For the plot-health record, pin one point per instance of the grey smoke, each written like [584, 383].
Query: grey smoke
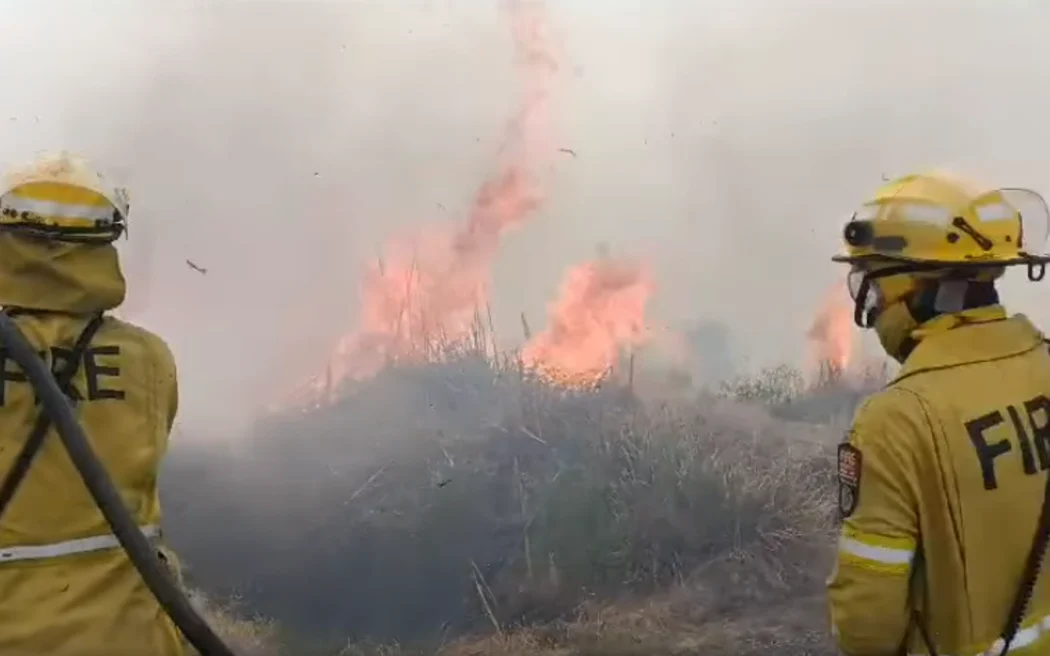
[277, 144]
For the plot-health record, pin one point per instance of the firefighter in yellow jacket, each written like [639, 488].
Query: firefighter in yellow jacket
[66, 586]
[942, 474]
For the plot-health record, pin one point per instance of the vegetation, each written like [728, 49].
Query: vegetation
[465, 507]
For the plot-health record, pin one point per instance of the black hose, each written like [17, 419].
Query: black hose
[141, 552]
[64, 378]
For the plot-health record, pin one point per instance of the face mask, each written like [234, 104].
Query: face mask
[883, 300]
[894, 325]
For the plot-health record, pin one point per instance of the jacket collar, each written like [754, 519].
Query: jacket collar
[976, 335]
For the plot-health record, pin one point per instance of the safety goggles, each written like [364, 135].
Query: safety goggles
[867, 297]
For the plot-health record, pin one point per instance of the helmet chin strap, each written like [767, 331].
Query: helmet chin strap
[951, 296]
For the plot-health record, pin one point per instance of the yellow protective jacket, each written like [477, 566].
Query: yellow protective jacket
[942, 479]
[58, 596]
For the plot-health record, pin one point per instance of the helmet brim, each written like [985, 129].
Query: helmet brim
[944, 264]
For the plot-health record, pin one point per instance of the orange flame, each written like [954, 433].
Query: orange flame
[600, 310]
[831, 334]
[422, 296]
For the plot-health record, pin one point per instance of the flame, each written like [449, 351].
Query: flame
[422, 296]
[599, 312]
[831, 333]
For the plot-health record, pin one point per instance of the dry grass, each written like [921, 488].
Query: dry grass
[464, 508]
[669, 624]
[246, 635]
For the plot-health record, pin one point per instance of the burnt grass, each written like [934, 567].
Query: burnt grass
[465, 508]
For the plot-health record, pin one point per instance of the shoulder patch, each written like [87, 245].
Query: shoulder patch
[849, 464]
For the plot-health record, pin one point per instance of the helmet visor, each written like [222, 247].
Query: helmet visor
[1035, 219]
[855, 283]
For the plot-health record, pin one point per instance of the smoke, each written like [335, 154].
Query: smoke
[277, 159]
[278, 145]
[785, 125]
[426, 290]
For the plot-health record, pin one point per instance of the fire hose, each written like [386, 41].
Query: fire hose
[139, 550]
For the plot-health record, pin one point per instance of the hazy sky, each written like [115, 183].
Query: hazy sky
[278, 143]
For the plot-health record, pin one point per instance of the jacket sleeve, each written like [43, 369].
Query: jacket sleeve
[868, 588]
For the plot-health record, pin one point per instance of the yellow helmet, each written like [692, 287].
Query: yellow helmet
[939, 221]
[938, 225]
[59, 196]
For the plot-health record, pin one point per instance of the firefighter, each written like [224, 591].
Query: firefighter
[942, 473]
[66, 586]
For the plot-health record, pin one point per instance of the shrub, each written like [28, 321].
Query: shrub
[459, 496]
